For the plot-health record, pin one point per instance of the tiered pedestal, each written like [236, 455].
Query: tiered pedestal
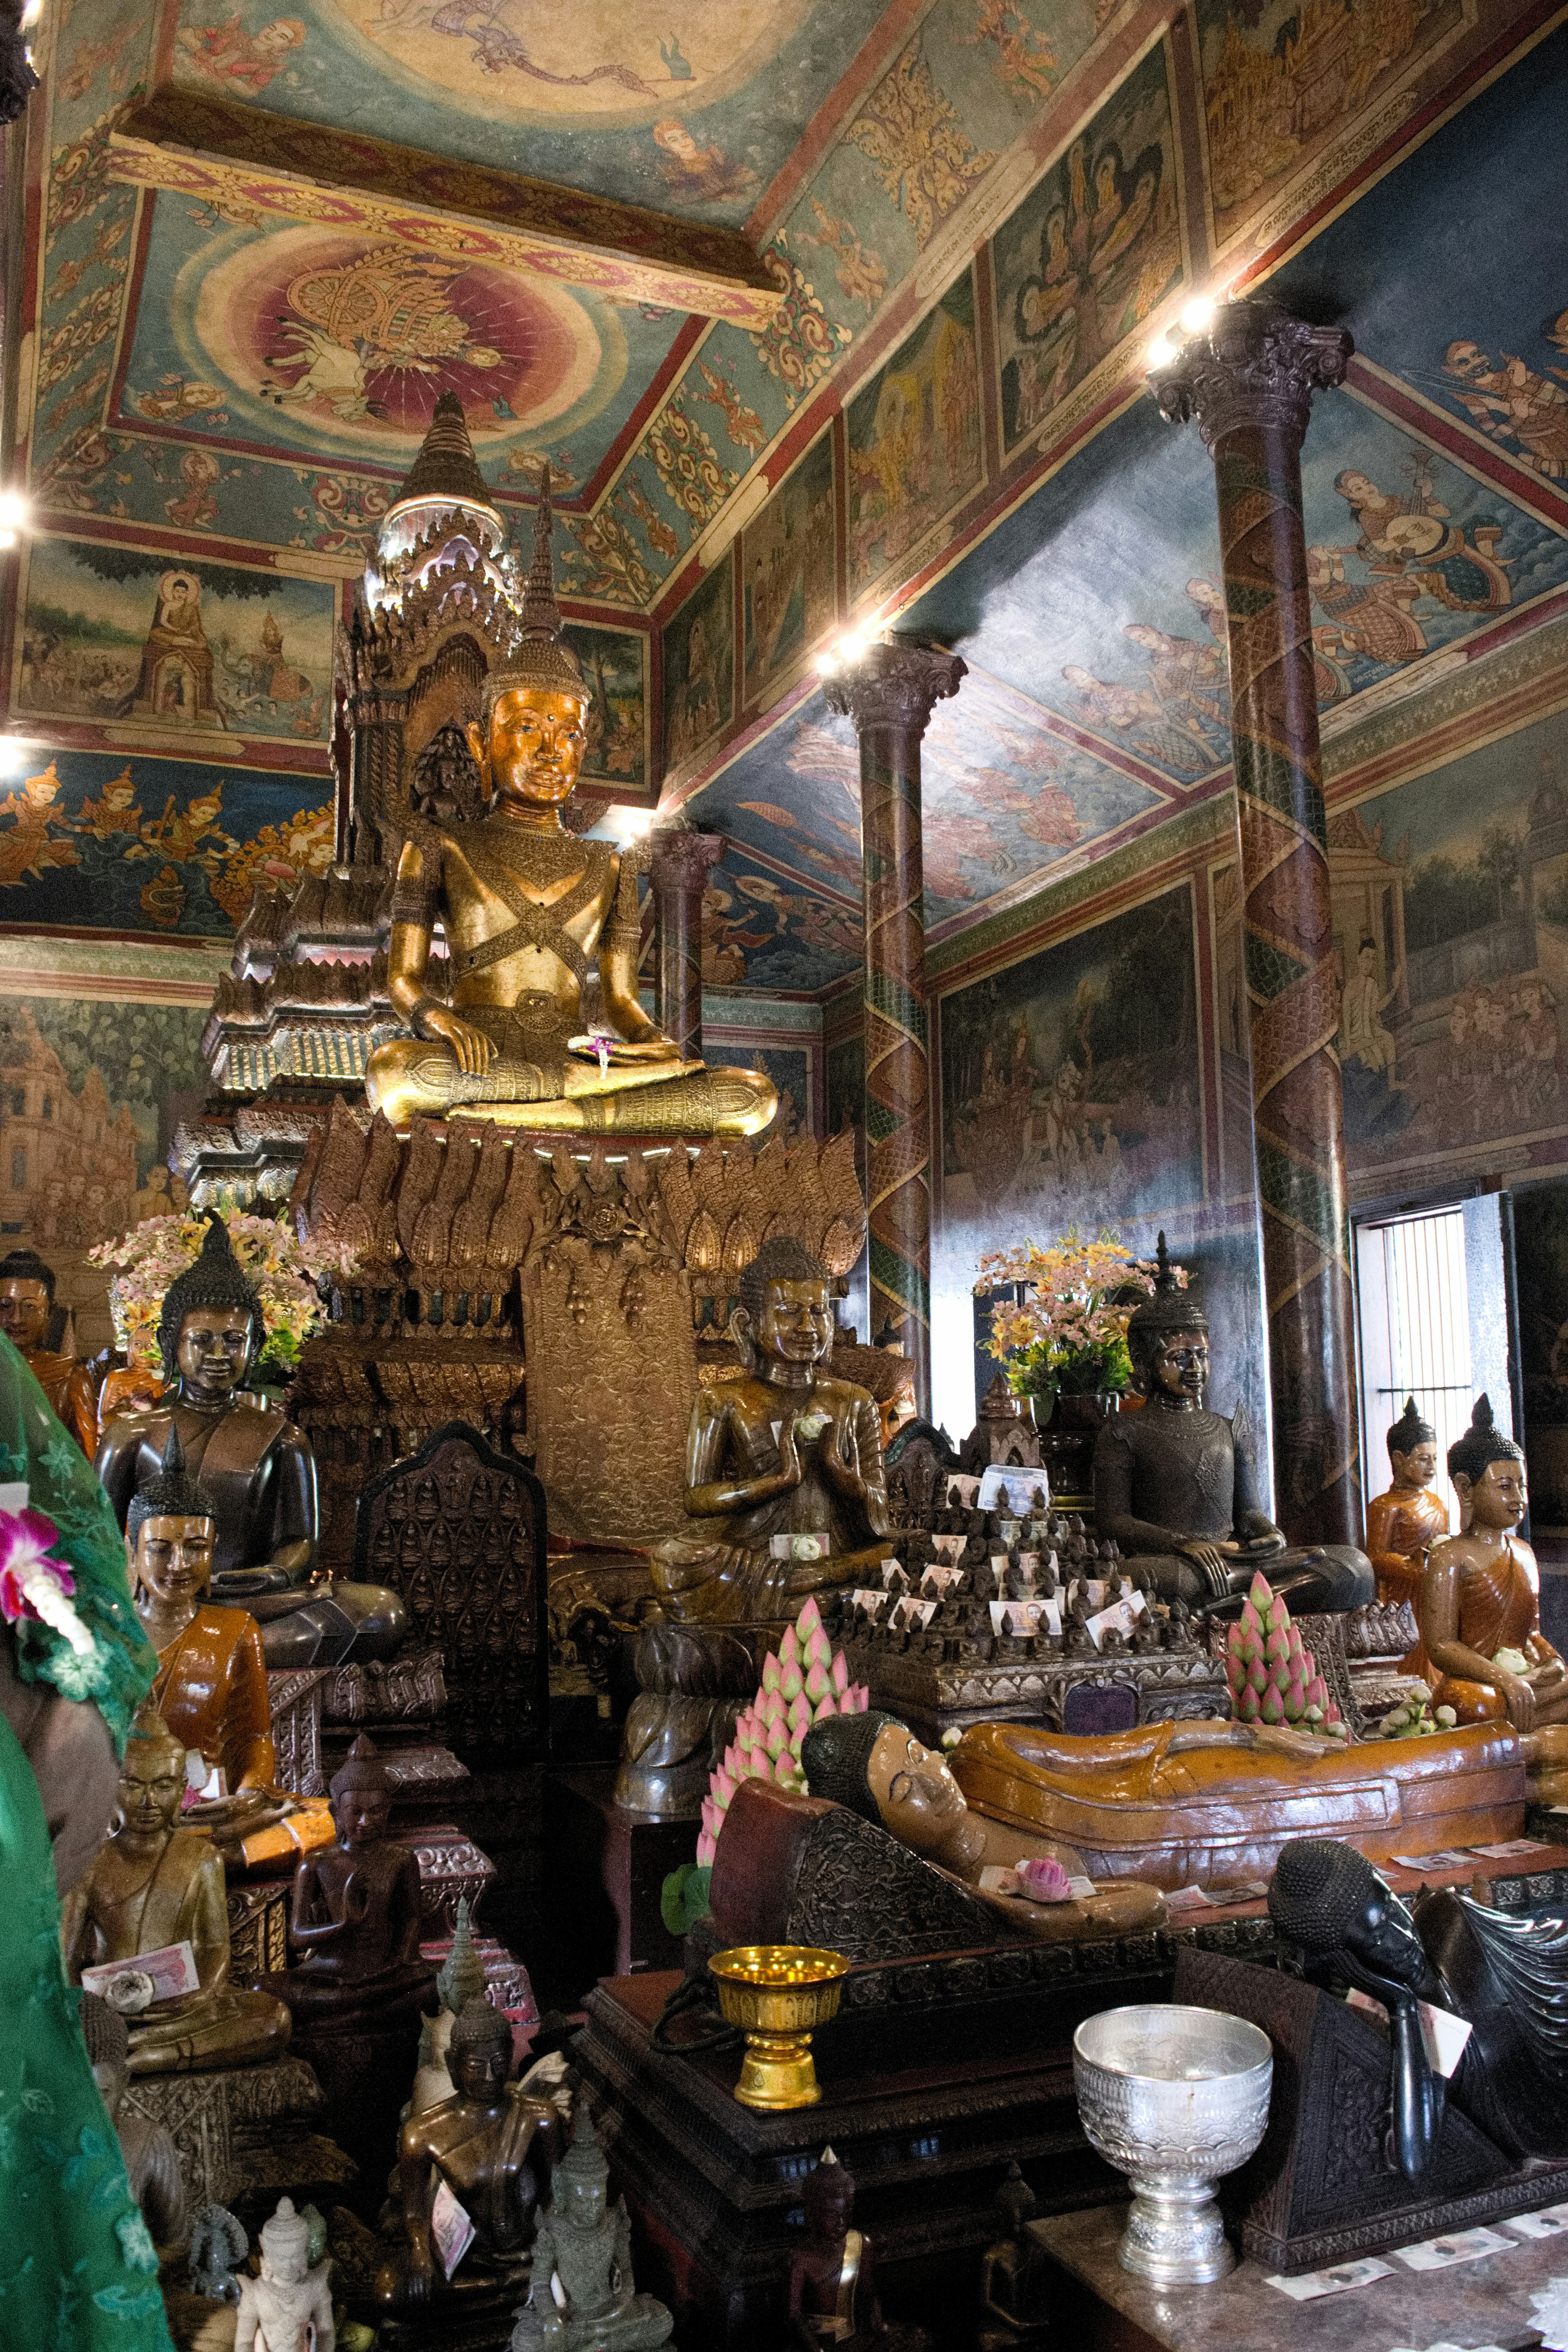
[932, 2079]
[934, 1695]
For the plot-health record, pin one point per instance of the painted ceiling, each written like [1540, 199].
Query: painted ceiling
[821, 311]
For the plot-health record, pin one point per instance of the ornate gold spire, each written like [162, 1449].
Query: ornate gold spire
[446, 470]
[542, 658]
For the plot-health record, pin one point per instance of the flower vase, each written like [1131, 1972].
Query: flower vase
[1068, 1441]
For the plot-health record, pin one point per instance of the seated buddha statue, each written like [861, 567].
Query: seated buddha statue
[833, 2295]
[154, 1884]
[491, 2144]
[210, 1689]
[782, 1449]
[252, 1470]
[525, 905]
[1507, 1977]
[583, 2297]
[26, 1305]
[1480, 1613]
[1403, 1523]
[354, 1916]
[1176, 1487]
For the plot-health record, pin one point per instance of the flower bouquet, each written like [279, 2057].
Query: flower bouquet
[145, 1261]
[1068, 1336]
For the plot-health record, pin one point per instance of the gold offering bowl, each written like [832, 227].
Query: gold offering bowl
[779, 1993]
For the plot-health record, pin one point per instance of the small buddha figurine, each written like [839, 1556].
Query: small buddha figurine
[1479, 1614]
[780, 1449]
[459, 1980]
[1402, 1524]
[524, 905]
[151, 2161]
[1505, 1976]
[1176, 1486]
[252, 1469]
[487, 2144]
[874, 1764]
[355, 1915]
[583, 2297]
[153, 1885]
[211, 1689]
[289, 2307]
[833, 2276]
[26, 1306]
[1015, 2276]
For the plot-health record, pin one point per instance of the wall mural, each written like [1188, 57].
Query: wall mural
[90, 1095]
[155, 846]
[123, 633]
[914, 439]
[700, 666]
[764, 929]
[615, 664]
[1091, 251]
[1451, 926]
[788, 571]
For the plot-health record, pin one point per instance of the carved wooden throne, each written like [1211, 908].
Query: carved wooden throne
[460, 1531]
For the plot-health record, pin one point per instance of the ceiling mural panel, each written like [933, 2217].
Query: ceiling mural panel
[1089, 252]
[699, 666]
[789, 571]
[690, 110]
[763, 928]
[914, 439]
[121, 634]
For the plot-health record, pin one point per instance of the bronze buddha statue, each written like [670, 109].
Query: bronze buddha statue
[524, 905]
[253, 1472]
[26, 1308]
[782, 1451]
[153, 1885]
[1176, 1487]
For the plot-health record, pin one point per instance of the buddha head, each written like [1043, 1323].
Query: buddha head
[873, 1764]
[151, 1781]
[533, 725]
[478, 2056]
[1412, 1449]
[285, 2245]
[785, 1313]
[170, 1534]
[1168, 1340]
[211, 1328]
[1328, 1900]
[580, 2183]
[361, 1792]
[829, 2197]
[26, 1299]
[1488, 1472]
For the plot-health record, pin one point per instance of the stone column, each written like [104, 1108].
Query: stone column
[889, 691]
[1248, 378]
[678, 875]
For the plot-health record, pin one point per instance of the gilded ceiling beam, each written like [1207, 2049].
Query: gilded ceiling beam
[254, 165]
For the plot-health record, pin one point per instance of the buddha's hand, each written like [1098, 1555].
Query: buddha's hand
[1211, 1563]
[1260, 1535]
[473, 1050]
[651, 1046]
[1518, 1698]
[418, 2278]
[790, 1473]
[839, 1450]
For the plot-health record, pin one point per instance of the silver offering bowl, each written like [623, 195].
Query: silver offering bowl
[1175, 2098]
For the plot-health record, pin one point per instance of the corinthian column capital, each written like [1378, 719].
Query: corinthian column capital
[1253, 365]
[681, 860]
[893, 684]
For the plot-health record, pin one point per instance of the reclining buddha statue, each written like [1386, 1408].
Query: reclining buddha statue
[524, 904]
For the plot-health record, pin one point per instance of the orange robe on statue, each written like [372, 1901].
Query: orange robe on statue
[211, 1691]
[1498, 1610]
[1401, 1527]
[67, 1385]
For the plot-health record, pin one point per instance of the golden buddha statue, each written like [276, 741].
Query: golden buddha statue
[780, 1452]
[1402, 1524]
[27, 1304]
[1480, 1615]
[154, 1885]
[211, 1689]
[525, 904]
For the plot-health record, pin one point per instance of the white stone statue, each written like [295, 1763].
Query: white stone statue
[289, 2307]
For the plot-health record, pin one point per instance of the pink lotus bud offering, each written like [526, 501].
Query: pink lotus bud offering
[1042, 1878]
[771, 1672]
[789, 1649]
[1260, 1595]
[1247, 1704]
[1271, 1709]
[840, 1673]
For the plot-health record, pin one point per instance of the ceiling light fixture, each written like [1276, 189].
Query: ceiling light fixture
[1162, 352]
[1197, 314]
[13, 514]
